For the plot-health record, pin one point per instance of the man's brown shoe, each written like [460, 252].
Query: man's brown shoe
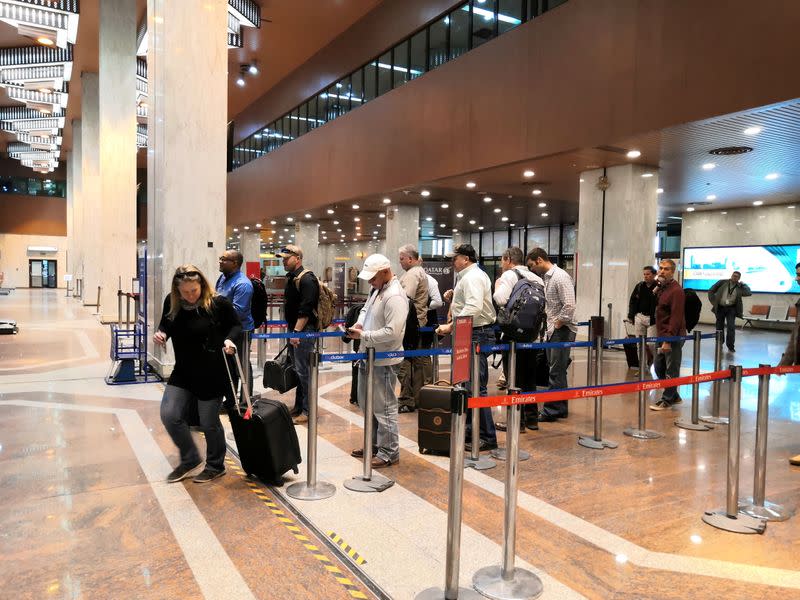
[300, 419]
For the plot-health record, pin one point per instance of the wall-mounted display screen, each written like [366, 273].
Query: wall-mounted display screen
[766, 269]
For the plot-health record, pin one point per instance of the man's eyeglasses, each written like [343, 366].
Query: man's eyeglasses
[225, 259]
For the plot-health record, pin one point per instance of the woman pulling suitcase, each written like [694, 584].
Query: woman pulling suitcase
[200, 323]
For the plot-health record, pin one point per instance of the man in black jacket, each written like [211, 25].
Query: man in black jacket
[642, 308]
[300, 298]
[726, 303]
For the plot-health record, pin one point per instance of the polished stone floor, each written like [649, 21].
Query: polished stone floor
[85, 513]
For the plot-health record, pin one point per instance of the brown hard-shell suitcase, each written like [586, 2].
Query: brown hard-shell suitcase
[433, 418]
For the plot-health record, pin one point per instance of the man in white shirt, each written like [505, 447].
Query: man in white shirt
[525, 373]
[381, 325]
[473, 297]
[559, 292]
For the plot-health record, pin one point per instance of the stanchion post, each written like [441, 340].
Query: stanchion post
[596, 441]
[119, 303]
[716, 386]
[261, 348]
[511, 379]
[589, 369]
[641, 432]
[757, 506]
[694, 424]
[729, 518]
[435, 357]
[368, 481]
[311, 489]
[475, 460]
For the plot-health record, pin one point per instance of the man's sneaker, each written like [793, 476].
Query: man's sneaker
[181, 472]
[661, 405]
[208, 475]
[300, 419]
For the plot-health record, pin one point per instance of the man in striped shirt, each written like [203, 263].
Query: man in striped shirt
[559, 292]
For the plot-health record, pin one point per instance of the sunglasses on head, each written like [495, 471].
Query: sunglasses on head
[187, 275]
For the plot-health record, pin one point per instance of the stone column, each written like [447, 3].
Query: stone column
[90, 194]
[250, 245]
[117, 110]
[616, 238]
[187, 67]
[75, 238]
[402, 227]
[306, 235]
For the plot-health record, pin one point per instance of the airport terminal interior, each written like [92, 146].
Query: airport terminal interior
[611, 135]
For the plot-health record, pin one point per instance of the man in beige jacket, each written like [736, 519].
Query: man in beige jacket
[414, 372]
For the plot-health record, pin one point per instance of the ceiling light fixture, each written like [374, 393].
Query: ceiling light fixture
[252, 68]
[528, 173]
[471, 184]
[497, 210]
[240, 81]
[425, 193]
[442, 225]
[758, 203]
[660, 191]
[308, 215]
[472, 221]
[711, 197]
[542, 204]
[429, 218]
[480, 227]
[647, 175]
[504, 219]
[45, 41]
[258, 224]
[290, 219]
[336, 222]
[487, 199]
[445, 205]
[708, 166]
[754, 130]
[633, 154]
[330, 211]
[459, 215]
[690, 209]
[545, 214]
[356, 219]
[355, 207]
[273, 222]
[772, 176]
[246, 227]
[537, 192]
[387, 200]
[235, 229]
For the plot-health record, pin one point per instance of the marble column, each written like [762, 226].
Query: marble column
[90, 192]
[71, 254]
[250, 246]
[117, 53]
[75, 238]
[402, 227]
[306, 235]
[187, 68]
[616, 238]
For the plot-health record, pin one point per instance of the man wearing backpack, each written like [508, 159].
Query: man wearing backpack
[413, 372]
[236, 287]
[300, 297]
[515, 272]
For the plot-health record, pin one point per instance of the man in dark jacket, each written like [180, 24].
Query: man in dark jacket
[642, 308]
[726, 302]
[670, 322]
[301, 297]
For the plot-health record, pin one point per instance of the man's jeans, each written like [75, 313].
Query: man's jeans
[385, 434]
[727, 315]
[558, 359]
[668, 365]
[173, 408]
[483, 337]
[301, 357]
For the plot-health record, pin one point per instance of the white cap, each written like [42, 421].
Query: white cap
[373, 264]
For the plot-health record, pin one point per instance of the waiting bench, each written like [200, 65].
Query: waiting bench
[760, 313]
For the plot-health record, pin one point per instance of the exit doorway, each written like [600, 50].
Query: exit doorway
[42, 273]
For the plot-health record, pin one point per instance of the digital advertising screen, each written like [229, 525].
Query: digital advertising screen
[766, 269]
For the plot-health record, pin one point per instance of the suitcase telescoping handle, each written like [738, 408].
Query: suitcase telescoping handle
[245, 390]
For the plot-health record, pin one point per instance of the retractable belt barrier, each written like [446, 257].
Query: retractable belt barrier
[652, 340]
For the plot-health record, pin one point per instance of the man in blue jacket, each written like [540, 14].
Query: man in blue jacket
[236, 287]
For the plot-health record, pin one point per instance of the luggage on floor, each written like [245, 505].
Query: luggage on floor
[433, 418]
[8, 327]
[265, 437]
[631, 350]
[279, 373]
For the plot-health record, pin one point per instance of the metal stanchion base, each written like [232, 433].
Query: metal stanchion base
[768, 512]
[481, 463]
[684, 424]
[319, 491]
[377, 483]
[588, 441]
[438, 594]
[523, 585]
[714, 420]
[643, 434]
[502, 454]
[738, 524]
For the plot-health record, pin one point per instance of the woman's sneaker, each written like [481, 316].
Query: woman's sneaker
[181, 472]
[208, 475]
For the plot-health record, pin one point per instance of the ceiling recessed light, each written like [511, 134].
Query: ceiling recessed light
[379, 225]
[709, 166]
[480, 227]
[542, 204]
[445, 205]
[429, 218]
[425, 193]
[235, 229]
[338, 231]
[247, 227]
[690, 209]
[471, 184]
[660, 191]
[442, 225]
[273, 222]
[724, 212]
[537, 192]
[459, 215]
[374, 233]
[381, 215]
[290, 219]
[356, 219]
[633, 154]
[472, 221]
[545, 214]
[711, 197]
[308, 215]
[504, 219]
[487, 199]
[497, 210]
[286, 229]
[336, 222]
[790, 206]
[758, 203]
[324, 237]
[772, 176]
[528, 173]
[455, 230]
[387, 200]
[356, 207]
[754, 130]
[330, 211]
[358, 227]
[646, 175]
[240, 81]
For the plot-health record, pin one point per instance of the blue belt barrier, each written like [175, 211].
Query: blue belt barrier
[295, 334]
[343, 357]
[284, 323]
[381, 355]
[650, 340]
[708, 336]
[545, 345]
[584, 324]
[620, 341]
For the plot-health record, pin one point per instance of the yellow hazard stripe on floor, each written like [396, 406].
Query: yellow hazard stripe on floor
[349, 550]
[294, 529]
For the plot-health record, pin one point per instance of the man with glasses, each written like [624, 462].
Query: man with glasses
[300, 298]
[236, 287]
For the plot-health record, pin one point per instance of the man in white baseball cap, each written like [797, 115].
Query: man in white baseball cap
[381, 325]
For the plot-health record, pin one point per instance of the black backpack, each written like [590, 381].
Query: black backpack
[521, 318]
[691, 309]
[411, 336]
[258, 303]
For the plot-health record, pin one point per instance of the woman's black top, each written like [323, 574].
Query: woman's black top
[198, 337]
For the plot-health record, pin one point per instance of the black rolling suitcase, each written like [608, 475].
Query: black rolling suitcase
[433, 418]
[265, 437]
[631, 350]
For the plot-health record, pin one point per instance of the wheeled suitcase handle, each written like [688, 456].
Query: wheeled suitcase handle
[245, 390]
